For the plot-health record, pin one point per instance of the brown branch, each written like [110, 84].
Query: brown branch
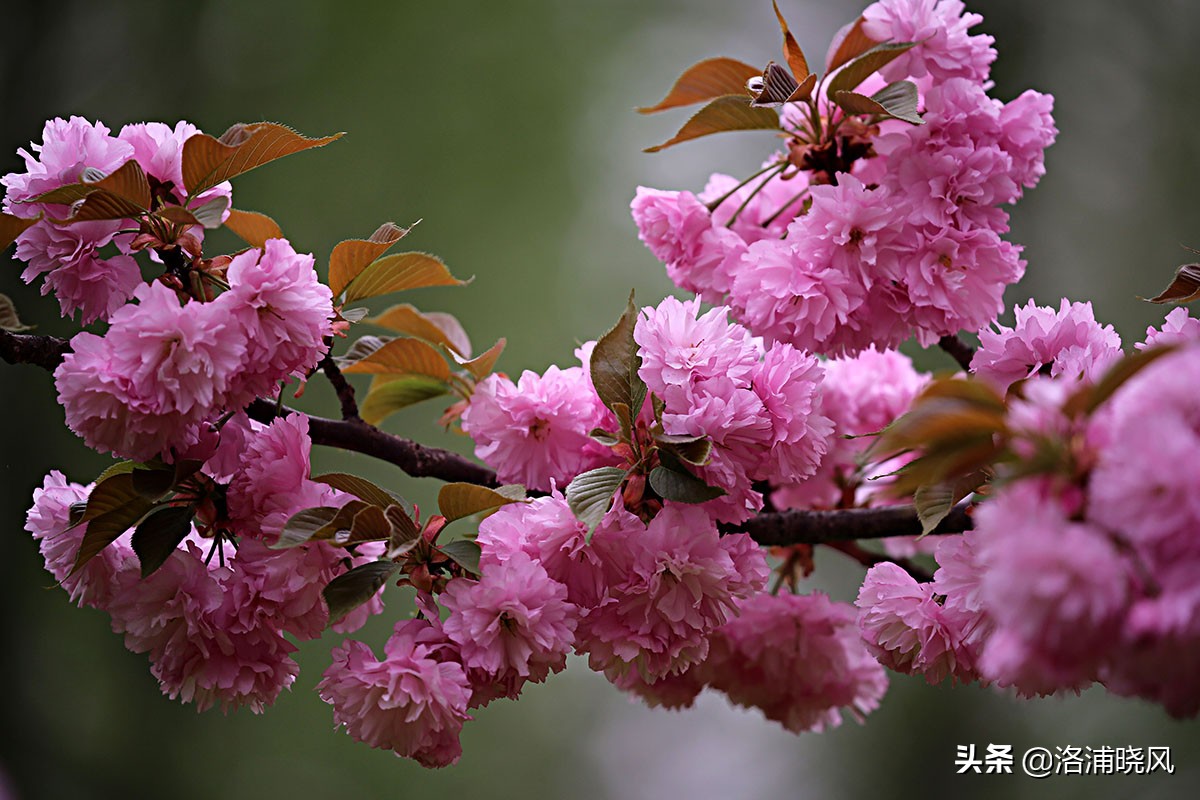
[772, 528]
[345, 391]
[869, 559]
[46, 352]
[783, 528]
[959, 350]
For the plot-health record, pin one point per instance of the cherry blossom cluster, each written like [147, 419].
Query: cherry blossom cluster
[903, 237]
[213, 617]
[1081, 568]
[170, 361]
[759, 405]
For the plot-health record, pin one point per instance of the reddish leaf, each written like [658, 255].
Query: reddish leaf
[848, 43]
[252, 227]
[482, 365]
[208, 161]
[350, 257]
[804, 90]
[398, 273]
[128, 182]
[11, 227]
[791, 50]
[774, 88]
[711, 78]
[407, 319]
[1184, 288]
[403, 357]
[729, 113]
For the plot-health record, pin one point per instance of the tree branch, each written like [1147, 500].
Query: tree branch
[770, 528]
[46, 352]
[345, 391]
[959, 350]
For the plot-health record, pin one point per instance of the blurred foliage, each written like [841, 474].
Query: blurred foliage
[508, 128]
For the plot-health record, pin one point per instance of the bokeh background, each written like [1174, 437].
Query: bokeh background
[508, 128]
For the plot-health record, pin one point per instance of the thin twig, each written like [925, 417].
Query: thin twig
[345, 391]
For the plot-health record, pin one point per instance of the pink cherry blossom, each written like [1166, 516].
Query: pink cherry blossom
[68, 148]
[944, 50]
[413, 701]
[798, 659]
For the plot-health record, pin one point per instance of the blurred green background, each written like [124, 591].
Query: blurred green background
[508, 128]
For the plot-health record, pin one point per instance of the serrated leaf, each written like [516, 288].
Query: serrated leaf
[252, 227]
[153, 482]
[791, 50]
[458, 500]
[119, 509]
[126, 184]
[866, 65]
[11, 227]
[119, 468]
[352, 256]
[1184, 288]
[159, 534]
[465, 553]
[895, 101]
[713, 77]
[732, 112]
[615, 363]
[361, 348]
[403, 357]
[390, 393]
[350, 590]
[590, 493]
[360, 487]
[482, 365]
[208, 161]
[848, 43]
[102, 205]
[604, 437]
[9, 320]
[370, 524]
[398, 273]
[407, 319]
[934, 502]
[694, 450]
[302, 525]
[682, 487]
[404, 531]
[774, 88]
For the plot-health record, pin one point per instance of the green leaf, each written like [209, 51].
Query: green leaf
[1184, 288]
[694, 450]
[351, 256]
[252, 227]
[849, 43]
[934, 502]
[119, 468]
[208, 161]
[408, 320]
[157, 536]
[390, 393]
[895, 101]
[398, 273]
[361, 488]
[614, 366]
[729, 113]
[11, 227]
[113, 507]
[458, 500]
[463, 552]
[302, 525]
[402, 357]
[682, 487]
[604, 437]
[9, 320]
[350, 590]
[713, 77]
[590, 494]
[865, 65]
[153, 482]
